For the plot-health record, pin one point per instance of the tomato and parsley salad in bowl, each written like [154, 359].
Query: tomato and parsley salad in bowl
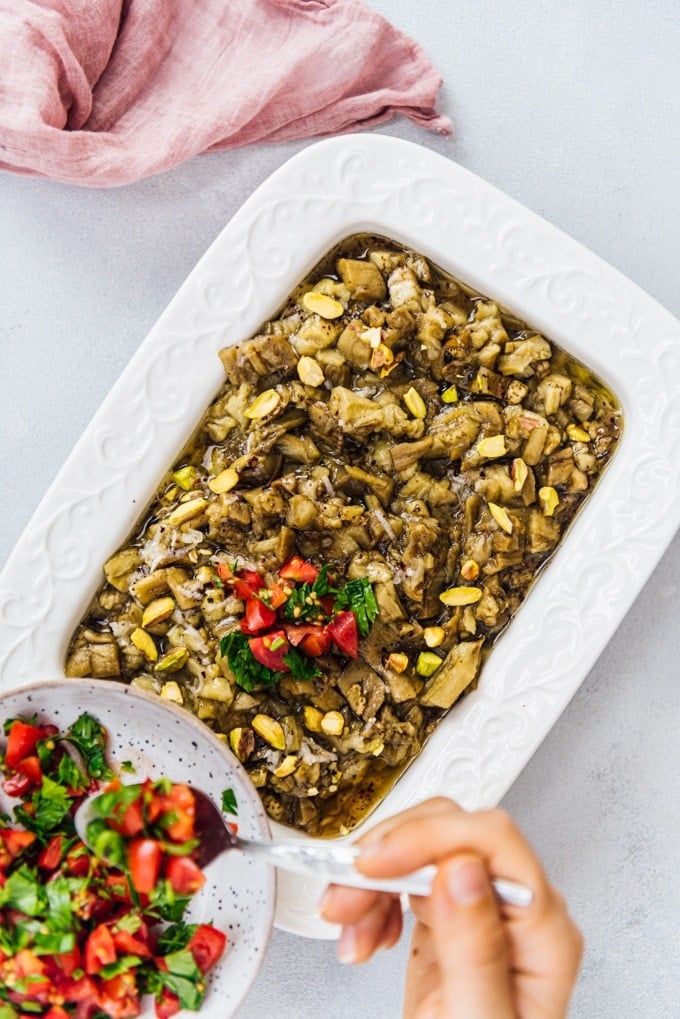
[136, 928]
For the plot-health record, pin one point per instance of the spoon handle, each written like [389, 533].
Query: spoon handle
[337, 865]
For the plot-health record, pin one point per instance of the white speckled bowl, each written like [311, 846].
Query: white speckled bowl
[163, 740]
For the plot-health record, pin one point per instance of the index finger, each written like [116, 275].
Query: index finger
[437, 829]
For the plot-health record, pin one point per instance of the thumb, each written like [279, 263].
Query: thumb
[470, 943]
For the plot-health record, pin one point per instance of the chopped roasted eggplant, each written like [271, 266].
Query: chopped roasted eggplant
[370, 497]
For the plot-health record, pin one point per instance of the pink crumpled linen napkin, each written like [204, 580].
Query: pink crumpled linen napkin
[105, 92]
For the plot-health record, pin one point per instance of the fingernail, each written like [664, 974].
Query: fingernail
[347, 945]
[368, 852]
[468, 881]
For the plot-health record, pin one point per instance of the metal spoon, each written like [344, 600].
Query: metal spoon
[331, 861]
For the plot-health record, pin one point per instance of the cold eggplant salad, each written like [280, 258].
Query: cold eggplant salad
[367, 502]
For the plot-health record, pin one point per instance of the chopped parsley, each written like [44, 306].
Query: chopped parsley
[357, 596]
[248, 672]
[229, 804]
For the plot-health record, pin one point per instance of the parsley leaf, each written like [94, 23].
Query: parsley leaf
[166, 904]
[357, 596]
[300, 665]
[229, 804]
[49, 806]
[22, 891]
[89, 738]
[248, 672]
[176, 937]
[70, 775]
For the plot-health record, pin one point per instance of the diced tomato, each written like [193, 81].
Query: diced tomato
[117, 887]
[258, 616]
[16, 785]
[29, 981]
[144, 859]
[296, 631]
[180, 804]
[315, 644]
[224, 571]
[344, 632]
[118, 996]
[50, 857]
[184, 874]
[100, 949]
[30, 767]
[299, 569]
[83, 989]
[15, 841]
[278, 596]
[78, 860]
[132, 821]
[68, 962]
[270, 649]
[132, 944]
[312, 638]
[247, 583]
[206, 945]
[21, 741]
[167, 1004]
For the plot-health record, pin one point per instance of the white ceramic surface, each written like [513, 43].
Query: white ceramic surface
[482, 236]
[160, 740]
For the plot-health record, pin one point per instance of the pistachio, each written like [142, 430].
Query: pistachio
[450, 395]
[145, 643]
[460, 596]
[287, 766]
[381, 356]
[415, 403]
[434, 635]
[186, 511]
[235, 740]
[577, 434]
[501, 516]
[548, 500]
[332, 723]
[171, 691]
[263, 405]
[519, 472]
[312, 718]
[310, 371]
[397, 662]
[469, 570]
[157, 611]
[185, 477]
[173, 660]
[224, 481]
[270, 730]
[428, 663]
[492, 446]
[322, 305]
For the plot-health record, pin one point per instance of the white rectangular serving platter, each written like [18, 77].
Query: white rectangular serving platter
[384, 185]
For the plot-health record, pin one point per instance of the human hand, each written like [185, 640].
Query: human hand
[472, 957]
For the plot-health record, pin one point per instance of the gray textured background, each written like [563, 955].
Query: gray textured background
[575, 111]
